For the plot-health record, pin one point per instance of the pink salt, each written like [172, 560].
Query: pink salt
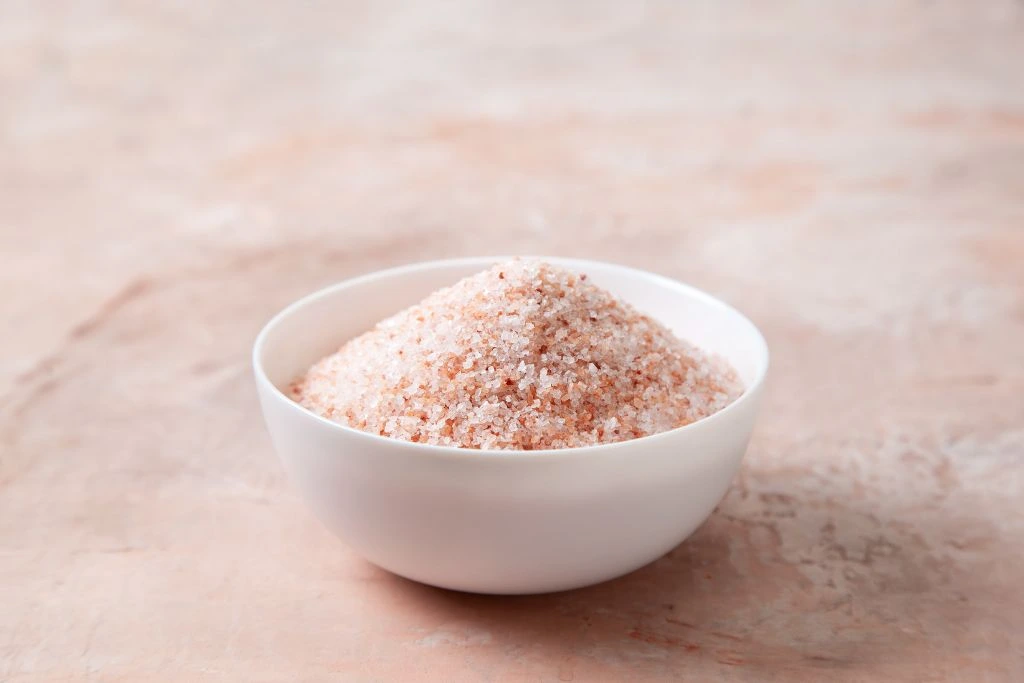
[522, 356]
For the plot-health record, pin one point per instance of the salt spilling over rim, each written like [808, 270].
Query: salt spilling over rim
[579, 265]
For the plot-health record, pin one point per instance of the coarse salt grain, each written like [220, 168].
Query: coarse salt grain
[522, 356]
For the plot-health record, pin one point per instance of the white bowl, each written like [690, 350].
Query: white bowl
[499, 521]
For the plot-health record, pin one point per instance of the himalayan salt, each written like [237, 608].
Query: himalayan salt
[523, 356]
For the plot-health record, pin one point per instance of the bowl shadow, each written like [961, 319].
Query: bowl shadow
[774, 581]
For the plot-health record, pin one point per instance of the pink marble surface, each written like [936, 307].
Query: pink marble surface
[850, 174]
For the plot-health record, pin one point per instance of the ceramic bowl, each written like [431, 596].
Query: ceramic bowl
[505, 521]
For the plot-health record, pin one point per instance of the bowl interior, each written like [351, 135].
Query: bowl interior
[320, 323]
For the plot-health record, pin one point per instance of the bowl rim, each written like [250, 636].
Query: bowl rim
[750, 392]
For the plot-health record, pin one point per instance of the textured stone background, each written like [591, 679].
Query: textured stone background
[850, 174]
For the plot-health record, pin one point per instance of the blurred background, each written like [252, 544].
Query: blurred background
[835, 158]
[849, 174]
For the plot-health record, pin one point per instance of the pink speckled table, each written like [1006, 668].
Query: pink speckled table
[850, 174]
